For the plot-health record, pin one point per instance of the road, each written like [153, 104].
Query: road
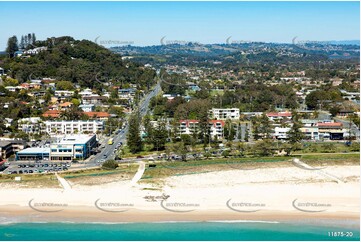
[108, 151]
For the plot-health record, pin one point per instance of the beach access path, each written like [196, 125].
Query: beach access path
[139, 173]
[64, 183]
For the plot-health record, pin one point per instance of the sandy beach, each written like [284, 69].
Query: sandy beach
[266, 194]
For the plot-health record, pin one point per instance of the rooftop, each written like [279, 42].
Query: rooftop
[34, 150]
[75, 139]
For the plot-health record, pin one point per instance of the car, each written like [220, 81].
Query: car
[140, 157]
[19, 166]
[14, 172]
[45, 165]
[26, 171]
[68, 165]
[65, 169]
[31, 171]
[36, 170]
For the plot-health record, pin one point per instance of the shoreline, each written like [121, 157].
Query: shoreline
[265, 195]
[91, 216]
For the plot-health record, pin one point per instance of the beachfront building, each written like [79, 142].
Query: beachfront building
[74, 127]
[332, 130]
[32, 154]
[191, 127]
[225, 113]
[73, 147]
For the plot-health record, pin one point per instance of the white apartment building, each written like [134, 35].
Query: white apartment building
[192, 126]
[31, 125]
[225, 113]
[73, 127]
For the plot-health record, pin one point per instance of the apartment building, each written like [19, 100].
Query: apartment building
[225, 113]
[190, 127]
[73, 127]
[31, 125]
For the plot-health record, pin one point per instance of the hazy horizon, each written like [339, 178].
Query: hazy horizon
[146, 23]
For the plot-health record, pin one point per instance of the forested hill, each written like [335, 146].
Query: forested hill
[80, 61]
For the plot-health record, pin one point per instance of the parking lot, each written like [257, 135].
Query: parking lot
[30, 168]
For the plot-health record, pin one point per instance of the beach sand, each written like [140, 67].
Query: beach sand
[266, 194]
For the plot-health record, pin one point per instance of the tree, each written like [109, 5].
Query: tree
[64, 85]
[73, 113]
[22, 43]
[181, 149]
[295, 134]
[158, 136]
[12, 46]
[263, 148]
[134, 140]
[229, 130]
[335, 110]
[110, 164]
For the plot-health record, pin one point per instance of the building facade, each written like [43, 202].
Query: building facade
[74, 127]
[73, 147]
[225, 113]
[191, 127]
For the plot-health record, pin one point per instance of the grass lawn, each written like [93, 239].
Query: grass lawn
[178, 168]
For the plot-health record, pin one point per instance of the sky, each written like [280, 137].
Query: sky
[146, 23]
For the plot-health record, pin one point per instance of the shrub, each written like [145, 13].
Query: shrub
[110, 164]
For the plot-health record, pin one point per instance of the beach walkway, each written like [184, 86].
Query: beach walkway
[303, 165]
[139, 173]
[64, 183]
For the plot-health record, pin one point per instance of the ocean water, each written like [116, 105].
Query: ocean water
[214, 231]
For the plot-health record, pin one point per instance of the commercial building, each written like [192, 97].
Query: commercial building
[333, 131]
[73, 147]
[30, 154]
[225, 113]
[74, 127]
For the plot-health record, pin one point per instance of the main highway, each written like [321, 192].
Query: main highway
[108, 151]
